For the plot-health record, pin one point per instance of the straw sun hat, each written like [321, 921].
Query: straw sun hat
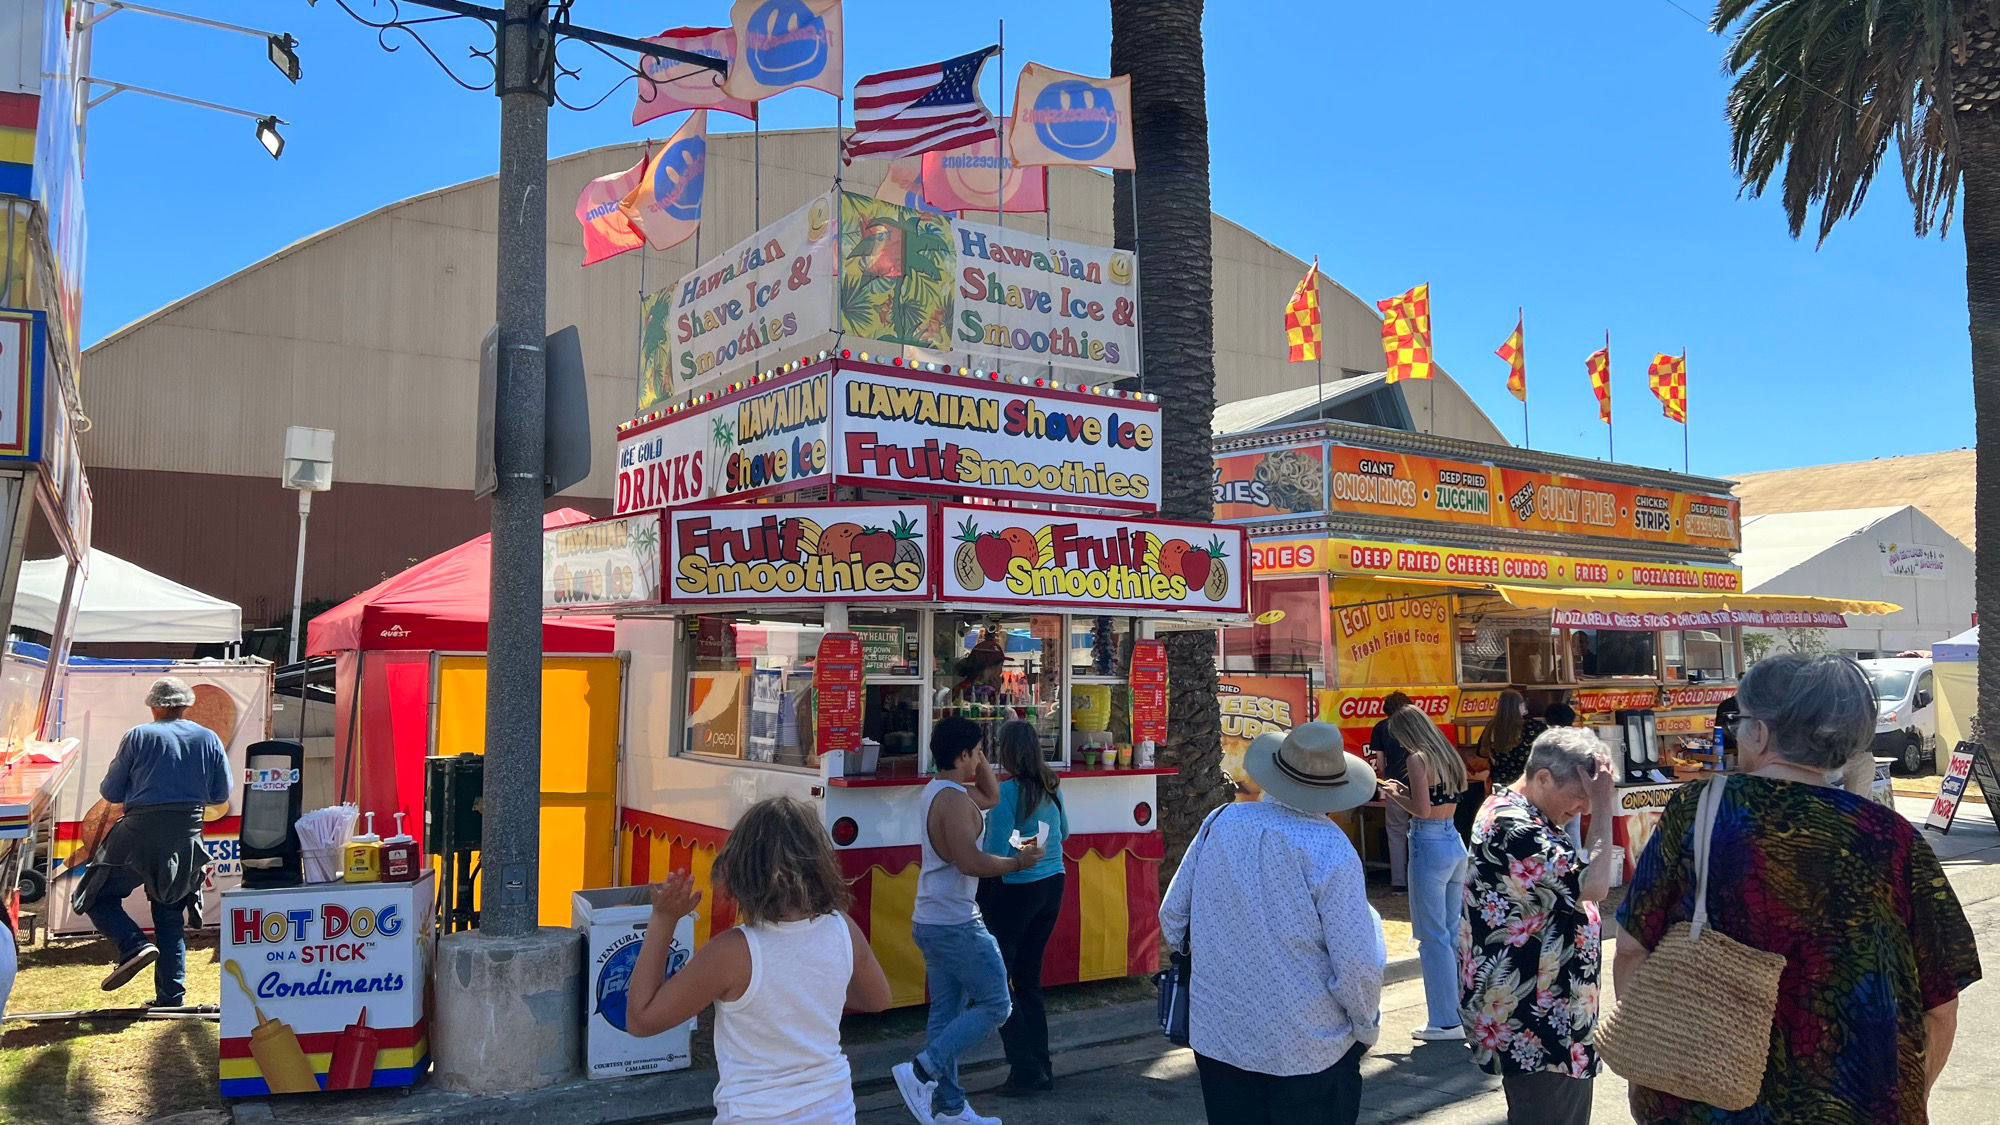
[1310, 769]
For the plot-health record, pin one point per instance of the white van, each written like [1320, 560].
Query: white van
[1906, 722]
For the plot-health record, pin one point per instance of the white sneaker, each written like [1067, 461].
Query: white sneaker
[915, 1091]
[1452, 1034]
[966, 1116]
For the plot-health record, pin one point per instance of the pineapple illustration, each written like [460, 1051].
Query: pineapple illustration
[965, 561]
[1217, 586]
[907, 548]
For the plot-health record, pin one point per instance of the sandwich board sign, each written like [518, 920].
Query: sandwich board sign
[1969, 761]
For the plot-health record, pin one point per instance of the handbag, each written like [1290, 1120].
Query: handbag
[1177, 979]
[1696, 1022]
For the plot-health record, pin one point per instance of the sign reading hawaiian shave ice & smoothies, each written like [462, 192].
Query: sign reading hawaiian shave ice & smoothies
[854, 552]
[769, 439]
[913, 432]
[757, 301]
[1003, 555]
[1032, 299]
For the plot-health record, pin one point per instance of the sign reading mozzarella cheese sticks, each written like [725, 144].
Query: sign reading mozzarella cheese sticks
[1005, 556]
[854, 552]
[915, 432]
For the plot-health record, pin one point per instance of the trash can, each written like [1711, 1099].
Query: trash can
[613, 921]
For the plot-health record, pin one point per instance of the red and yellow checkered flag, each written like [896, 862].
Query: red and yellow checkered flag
[1302, 329]
[1406, 334]
[1668, 376]
[1599, 365]
[1515, 352]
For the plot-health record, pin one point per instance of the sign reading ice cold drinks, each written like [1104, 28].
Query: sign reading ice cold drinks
[771, 440]
[913, 432]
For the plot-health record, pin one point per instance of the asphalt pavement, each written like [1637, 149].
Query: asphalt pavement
[1145, 1081]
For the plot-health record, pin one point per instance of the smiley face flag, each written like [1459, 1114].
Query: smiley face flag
[1064, 118]
[665, 205]
[785, 44]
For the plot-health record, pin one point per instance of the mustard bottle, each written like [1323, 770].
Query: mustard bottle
[364, 856]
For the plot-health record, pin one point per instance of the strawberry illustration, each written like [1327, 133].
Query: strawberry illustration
[994, 555]
[1194, 568]
[875, 545]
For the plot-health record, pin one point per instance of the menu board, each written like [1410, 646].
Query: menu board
[882, 647]
[1969, 761]
[837, 694]
[1149, 692]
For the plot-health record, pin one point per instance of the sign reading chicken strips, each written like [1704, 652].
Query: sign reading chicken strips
[853, 552]
[1001, 555]
[918, 432]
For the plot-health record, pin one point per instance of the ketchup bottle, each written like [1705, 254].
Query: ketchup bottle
[353, 1063]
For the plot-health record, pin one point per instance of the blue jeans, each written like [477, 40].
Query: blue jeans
[968, 983]
[169, 934]
[1437, 886]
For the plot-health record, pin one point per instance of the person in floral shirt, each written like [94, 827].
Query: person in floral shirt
[1528, 940]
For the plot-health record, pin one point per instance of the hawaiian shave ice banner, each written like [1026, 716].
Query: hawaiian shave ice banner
[758, 301]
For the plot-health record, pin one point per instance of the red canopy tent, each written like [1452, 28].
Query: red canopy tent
[382, 641]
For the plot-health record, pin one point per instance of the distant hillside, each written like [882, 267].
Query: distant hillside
[1941, 484]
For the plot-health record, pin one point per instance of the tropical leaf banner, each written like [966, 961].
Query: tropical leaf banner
[896, 267]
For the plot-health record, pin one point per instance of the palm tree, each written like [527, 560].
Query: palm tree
[1158, 43]
[1822, 87]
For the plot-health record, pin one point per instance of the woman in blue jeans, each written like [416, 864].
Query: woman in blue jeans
[1437, 863]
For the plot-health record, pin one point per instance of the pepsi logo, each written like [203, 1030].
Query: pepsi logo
[1076, 119]
[677, 183]
[787, 43]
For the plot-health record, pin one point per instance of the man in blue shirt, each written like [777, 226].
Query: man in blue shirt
[165, 772]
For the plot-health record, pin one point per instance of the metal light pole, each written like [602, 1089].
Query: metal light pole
[511, 841]
[308, 469]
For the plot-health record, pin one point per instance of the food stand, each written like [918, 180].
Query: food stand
[1386, 561]
[943, 548]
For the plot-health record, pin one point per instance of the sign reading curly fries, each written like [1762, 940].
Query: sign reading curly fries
[856, 552]
[1054, 558]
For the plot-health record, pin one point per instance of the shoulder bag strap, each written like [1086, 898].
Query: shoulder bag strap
[1200, 835]
[1704, 838]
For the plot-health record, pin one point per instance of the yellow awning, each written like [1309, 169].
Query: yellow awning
[1650, 601]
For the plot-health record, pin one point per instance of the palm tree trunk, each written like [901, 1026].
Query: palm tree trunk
[1979, 155]
[1158, 43]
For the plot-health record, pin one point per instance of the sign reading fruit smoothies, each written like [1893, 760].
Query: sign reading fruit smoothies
[919, 432]
[855, 552]
[1055, 558]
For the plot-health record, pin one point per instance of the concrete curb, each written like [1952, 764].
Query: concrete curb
[685, 1095]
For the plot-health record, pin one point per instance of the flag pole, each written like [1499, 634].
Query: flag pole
[757, 173]
[999, 173]
[642, 320]
[1521, 326]
[839, 117]
[1687, 461]
[1611, 435]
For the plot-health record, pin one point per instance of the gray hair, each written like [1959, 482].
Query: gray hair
[1820, 709]
[170, 692]
[1569, 754]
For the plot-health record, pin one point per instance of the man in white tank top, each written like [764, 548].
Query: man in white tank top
[967, 978]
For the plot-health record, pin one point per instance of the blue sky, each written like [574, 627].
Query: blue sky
[1568, 156]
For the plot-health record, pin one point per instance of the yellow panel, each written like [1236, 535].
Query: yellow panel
[580, 712]
[892, 900]
[1101, 897]
[700, 861]
[659, 858]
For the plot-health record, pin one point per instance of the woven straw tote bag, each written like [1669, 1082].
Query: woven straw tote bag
[1696, 1022]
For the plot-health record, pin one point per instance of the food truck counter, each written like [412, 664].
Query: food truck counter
[882, 782]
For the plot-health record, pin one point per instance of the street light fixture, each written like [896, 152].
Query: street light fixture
[267, 135]
[284, 54]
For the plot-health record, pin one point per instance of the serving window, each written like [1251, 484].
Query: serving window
[1699, 655]
[749, 687]
[1606, 653]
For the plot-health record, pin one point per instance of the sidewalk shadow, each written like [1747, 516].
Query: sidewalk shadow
[1410, 1083]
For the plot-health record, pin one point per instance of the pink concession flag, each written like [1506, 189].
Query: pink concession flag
[607, 233]
[669, 87]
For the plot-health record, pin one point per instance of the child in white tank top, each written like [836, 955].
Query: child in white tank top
[777, 1033]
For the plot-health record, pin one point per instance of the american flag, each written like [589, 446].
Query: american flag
[921, 109]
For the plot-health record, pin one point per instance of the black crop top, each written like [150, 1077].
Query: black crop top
[1442, 796]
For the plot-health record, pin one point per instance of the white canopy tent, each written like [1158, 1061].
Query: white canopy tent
[124, 603]
[1957, 679]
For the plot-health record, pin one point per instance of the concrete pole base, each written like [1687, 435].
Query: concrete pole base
[509, 1010]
